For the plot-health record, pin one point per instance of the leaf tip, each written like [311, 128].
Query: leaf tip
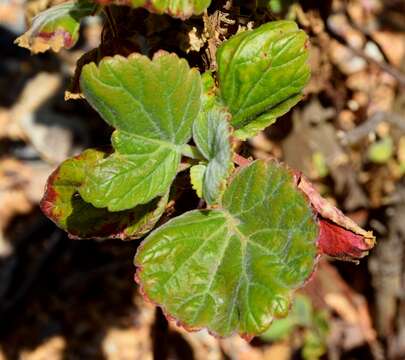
[339, 236]
[342, 244]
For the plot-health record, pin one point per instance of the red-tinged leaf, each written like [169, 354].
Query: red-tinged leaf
[340, 243]
[233, 268]
[152, 104]
[64, 206]
[339, 235]
[57, 27]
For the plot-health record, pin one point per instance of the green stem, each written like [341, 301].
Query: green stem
[192, 152]
[241, 161]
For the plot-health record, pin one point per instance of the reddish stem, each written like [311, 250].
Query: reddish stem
[241, 161]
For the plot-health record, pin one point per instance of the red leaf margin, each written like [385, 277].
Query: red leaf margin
[185, 326]
[240, 160]
[339, 236]
[116, 228]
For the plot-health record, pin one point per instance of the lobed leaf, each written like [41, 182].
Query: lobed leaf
[138, 171]
[157, 99]
[64, 206]
[212, 136]
[232, 269]
[262, 73]
[182, 9]
[153, 104]
[57, 27]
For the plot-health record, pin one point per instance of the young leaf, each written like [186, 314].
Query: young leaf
[182, 9]
[56, 27]
[233, 269]
[64, 206]
[211, 134]
[153, 105]
[262, 73]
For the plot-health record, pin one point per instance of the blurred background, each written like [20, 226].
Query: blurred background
[70, 299]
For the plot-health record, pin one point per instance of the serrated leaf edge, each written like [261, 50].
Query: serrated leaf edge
[185, 326]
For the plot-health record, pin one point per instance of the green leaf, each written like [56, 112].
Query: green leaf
[267, 119]
[57, 27]
[276, 6]
[153, 104]
[262, 73]
[181, 9]
[138, 171]
[157, 99]
[302, 317]
[232, 269]
[319, 164]
[381, 151]
[197, 178]
[280, 329]
[303, 310]
[63, 205]
[314, 346]
[212, 136]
